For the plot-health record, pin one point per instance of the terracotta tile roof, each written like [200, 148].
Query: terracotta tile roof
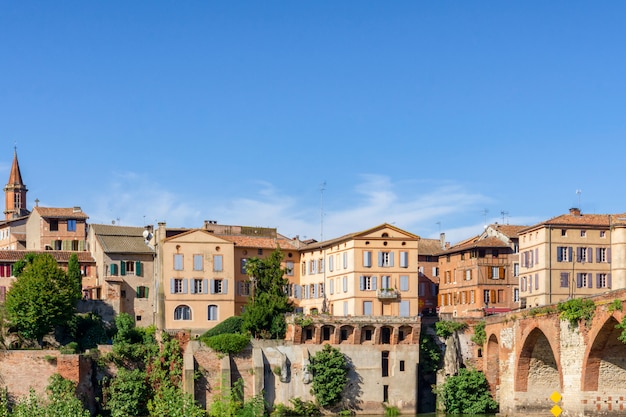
[120, 239]
[61, 213]
[508, 230]
[60, 256]
[260, 242]
[350, 236]
[429, 246]
[488, 242]
[598, 220]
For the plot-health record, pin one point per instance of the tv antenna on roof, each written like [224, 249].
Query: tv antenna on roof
[578, 193]
[322, 188]
[485, 211]
[505, 213]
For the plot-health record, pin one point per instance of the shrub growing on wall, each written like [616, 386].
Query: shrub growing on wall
[467, 393]
[329, 368]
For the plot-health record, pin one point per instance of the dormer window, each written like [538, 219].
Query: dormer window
[54, 225]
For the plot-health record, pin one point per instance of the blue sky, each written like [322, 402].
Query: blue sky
[421, 114]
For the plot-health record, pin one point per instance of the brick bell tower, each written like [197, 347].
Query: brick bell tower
[15, 192]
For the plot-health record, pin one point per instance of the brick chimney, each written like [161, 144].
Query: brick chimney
[574, 211]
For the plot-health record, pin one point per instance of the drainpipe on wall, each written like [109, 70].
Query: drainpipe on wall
[550, 265]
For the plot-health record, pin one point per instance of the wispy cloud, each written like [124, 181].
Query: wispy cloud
[413, 206]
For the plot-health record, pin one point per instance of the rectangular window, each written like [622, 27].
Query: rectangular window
[404, 260]
[219, 286]
[244, 261]
[472, 297]
[516, 269]
[198, 262]
[404, 282]
[345, 284]
[345, 260]
[367, 283]
[563, 253]
[385, 259]
[367, 259]
[563, 232]
[197, 287]
[468, 274]
[289, 268]
[320, 265]
[302, 269]
[313, 267]
[601, 255]
[218, 263]
[583, 233]
[486, 297]
[212, 313]
[516, 295]
[421, 289]
[602, 233]
[54, 225]
[435, 271]
[495, 272]
[71, 225]
[345, 308]
[564, 279]
[178, 286]
[367, 308]
[244, 288]
[127, 267]
[602, 281]
[331, 287]
[330, 263]
[385, 282]
[178, 262]
[5, 270]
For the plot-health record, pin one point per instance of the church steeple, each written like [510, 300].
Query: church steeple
[15, 192]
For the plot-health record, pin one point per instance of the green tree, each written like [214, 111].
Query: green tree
[264, 315]
[329, 368]
[40, 298]
[467, 393]
[74, 276]
[128, 393]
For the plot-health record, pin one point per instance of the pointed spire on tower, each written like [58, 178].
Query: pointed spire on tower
[15, 192]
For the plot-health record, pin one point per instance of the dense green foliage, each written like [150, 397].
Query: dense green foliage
[264, 315]
[467, 393]
[577, 309]
[232, 404]
[329, 368]
[616, 305]
[128, 394]
[430, 354]
[227, 343]
[230, 325]
[480, 336]
[74, 276]
[622, 327]
[61, 402]
[446, 328]
[298, 408]
[89, 331]
[42, 297]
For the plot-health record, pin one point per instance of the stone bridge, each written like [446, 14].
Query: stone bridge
[530, 354]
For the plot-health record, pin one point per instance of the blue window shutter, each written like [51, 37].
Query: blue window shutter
[331, 286]
[391, 258]
[225, 286]
[122, 268]
[598, 257]
[212, 286]
[563, 279]
[608, 280]
[579, 280]
[590, 255]
[531, 259]
[537, 281]
[404, 282]
[172, 286]
[361, 283]
[345, 284]
[205, 286]
[138, 271]
[608, 255]
[297, 292]
[367, 256]
[330, 263]
[537, 256]
[569, 253]
[184, 286]
[530, 283]
[374, 284]
[192, 290]
[589, 281]
[559, 258]
[315, 290]
[146, 291]
[598, 284]
[404, 259]
[404, 308]
[217, 263]
[380, 259]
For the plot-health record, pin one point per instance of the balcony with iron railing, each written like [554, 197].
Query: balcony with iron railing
[387, 294]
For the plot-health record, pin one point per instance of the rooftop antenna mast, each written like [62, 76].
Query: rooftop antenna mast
[578, 193]
[485, 211]
[505, 214]
[322, 188]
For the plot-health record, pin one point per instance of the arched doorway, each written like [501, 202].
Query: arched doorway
[492, 366]
[537, 369]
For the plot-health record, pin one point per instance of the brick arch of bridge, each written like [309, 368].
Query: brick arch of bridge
[602, 344]
[535, 334]
[492, 364]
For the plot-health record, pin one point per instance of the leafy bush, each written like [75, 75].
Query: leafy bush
[480, 336]
[622, 327]
[577, 309]
[299, 408]
[69, 349]
[127, 394]
[329, 368]
[227, 343]
[446, 328]
[430, 354]
[467, 393]
[616, 305]
[230, 325]
[391, 410]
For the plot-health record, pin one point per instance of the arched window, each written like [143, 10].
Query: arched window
[182, 313]
[212, 312]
